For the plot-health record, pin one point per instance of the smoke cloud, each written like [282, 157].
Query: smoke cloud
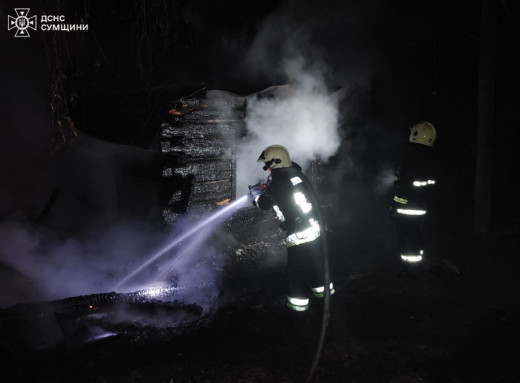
[53, 268]
[332, 98]
[62, 267]
[301, 114]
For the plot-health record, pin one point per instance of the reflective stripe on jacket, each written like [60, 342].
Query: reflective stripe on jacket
[291, 196]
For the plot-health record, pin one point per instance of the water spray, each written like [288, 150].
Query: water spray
[218, 214]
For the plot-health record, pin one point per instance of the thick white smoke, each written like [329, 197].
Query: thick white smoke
[302, 116]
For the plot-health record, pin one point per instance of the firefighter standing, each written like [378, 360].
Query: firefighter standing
[291, 196]
[413, 185]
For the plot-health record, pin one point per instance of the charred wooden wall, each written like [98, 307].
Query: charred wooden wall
[197, 138]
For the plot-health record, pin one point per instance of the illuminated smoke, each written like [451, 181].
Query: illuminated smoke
[384, 180]
[300, 113]
[55, 268]
[302, 116]
[196, 230]
[190, 271]
[62, 268]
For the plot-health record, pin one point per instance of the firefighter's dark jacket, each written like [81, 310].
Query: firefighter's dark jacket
[417, 166]
[292, 193]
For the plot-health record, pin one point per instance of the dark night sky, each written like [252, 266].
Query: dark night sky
[400, 61]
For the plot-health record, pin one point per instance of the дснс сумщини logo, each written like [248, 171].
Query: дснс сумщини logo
[21, 22]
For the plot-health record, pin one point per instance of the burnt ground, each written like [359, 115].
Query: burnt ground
[459, 323]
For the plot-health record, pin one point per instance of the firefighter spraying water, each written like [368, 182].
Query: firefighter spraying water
[291, 196]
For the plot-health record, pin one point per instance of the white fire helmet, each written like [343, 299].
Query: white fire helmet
[274, 157]
[423, 133]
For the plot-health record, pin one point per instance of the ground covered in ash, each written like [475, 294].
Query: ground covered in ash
[459, 323]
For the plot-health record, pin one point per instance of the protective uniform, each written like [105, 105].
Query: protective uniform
[291, 196]
[414, 182]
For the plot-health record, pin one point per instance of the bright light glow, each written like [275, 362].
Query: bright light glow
[296, 180]
[219, 213]
[321, 289]
[101, 336]
[300, 200]
[411, 212]
[423, 183]
[298, 301]
[304, 236]
[297, 304]
[153, 292]
[411, 258]
[158, 291]
[278, 213]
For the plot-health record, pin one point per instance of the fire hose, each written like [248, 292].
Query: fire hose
[326, 298]
[256, 190]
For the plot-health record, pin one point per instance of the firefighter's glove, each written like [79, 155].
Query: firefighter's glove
[255, 191]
